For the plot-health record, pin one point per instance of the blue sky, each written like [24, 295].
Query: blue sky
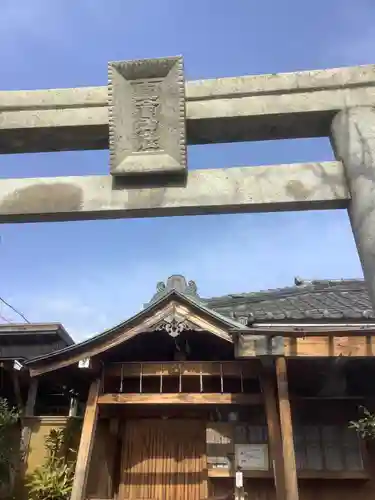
[92, 275]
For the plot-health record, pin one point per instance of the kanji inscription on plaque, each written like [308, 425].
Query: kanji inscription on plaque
[147, 117]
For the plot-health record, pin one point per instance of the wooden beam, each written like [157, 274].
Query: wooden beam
[274, 188]
[313, 345]
[269, 389]
[246, 369]
[317, 346]
[86, 442]
[57, 361]
[181, 398]
[308, 346]
[290, 469]
[295, 330]
[259, 107]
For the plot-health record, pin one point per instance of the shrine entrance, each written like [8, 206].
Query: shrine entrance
[169, 408]
[163, 460]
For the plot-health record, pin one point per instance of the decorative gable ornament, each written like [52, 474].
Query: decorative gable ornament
[178, 283]
[174, 326]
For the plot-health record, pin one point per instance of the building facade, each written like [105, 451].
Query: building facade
[248, 395]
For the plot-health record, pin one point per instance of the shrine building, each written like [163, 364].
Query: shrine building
[250, 394]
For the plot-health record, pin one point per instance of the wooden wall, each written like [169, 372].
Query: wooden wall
[309, 489]
[29, 346]
[104, 464]
[322, 488]
[164, 459]
[107, 460]
[104, 459]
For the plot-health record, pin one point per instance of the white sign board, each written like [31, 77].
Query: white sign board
[239, 479]
[252, 456]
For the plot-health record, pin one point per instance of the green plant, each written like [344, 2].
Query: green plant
[53, 480]
[9, 446]
[364, 426]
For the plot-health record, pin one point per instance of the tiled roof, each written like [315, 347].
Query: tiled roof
[317, 300]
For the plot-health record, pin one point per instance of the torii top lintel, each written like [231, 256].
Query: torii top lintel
[148, 114]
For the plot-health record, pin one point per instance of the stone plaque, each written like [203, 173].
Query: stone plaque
[146, 105]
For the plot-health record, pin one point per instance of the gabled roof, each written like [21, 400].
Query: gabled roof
[306, 301]
[313, 302]
[171, 308]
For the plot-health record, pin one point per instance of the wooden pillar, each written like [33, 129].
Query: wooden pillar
[17, 389]
[29, 411]
[289, 459]
[86, 442]
[268, 385]
[31, 397]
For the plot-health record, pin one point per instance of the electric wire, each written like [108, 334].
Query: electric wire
[14, 310]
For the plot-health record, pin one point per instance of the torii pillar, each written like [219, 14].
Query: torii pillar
[353, 140]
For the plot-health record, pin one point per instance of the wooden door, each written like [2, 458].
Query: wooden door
[164, 460]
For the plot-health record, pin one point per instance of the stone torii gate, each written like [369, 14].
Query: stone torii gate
[148, 114]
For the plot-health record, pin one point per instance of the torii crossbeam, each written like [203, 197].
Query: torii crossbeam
[148, 115]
